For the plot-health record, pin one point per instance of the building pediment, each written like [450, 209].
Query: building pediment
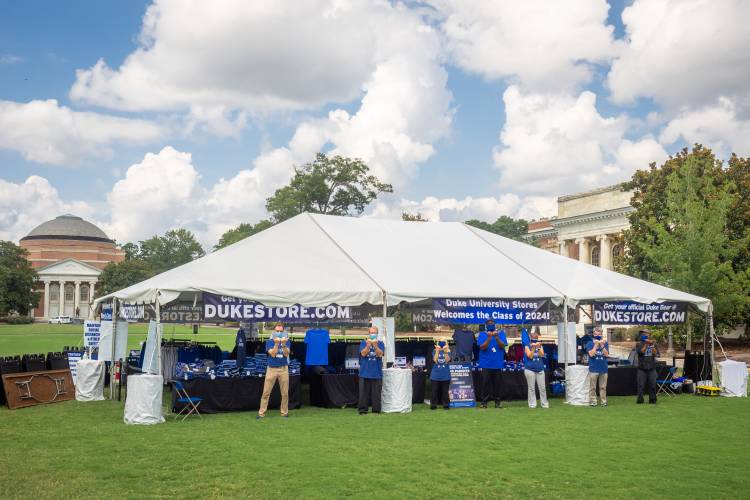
[68, 267]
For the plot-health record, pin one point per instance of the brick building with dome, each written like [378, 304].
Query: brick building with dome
[69, 254]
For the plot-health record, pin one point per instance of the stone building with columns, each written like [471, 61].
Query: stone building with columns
[588, 226]
[68, 253]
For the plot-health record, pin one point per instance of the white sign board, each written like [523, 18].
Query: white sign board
[91, 334]
[73, 359]
[105, 341]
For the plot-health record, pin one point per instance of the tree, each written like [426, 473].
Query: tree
[17, 280]
[335, 186]
[117, 276]
[176, 247]
[241, 232]
[680, 233]
[409, 217]
[506, 226]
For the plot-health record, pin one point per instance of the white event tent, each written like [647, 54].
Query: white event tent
[316, 260]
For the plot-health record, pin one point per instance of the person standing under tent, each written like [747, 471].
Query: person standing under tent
[491, 361]
[277, 348]
[647, 353]
[598, 350]
[534, 370]
[370, 372]
[440, 375]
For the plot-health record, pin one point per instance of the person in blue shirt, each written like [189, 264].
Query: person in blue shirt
[598, 350]
[534, 370]
[277, 348]
[370, 372]
[440, 375]
[491, 361]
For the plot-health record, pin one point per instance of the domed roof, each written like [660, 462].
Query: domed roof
[67, 227]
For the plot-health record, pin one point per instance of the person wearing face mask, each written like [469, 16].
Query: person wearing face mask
[277, 348]
[534, 370]
[598, 350]
[647, 353]
[370, 372]
[440, 375]
[491, 361]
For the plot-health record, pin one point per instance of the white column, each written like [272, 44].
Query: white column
[61, 311]
[564, 248]
[77, 298]
[91, 291]
[46, 299]
[584, 254]
[605, 251]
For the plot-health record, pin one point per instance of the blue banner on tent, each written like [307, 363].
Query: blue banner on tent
[628, 312]
[461, 388]
[503, 311]
[220, 308]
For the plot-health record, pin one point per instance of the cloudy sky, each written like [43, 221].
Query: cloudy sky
[145, 116]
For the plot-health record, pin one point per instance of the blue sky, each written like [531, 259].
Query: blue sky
[581, 94]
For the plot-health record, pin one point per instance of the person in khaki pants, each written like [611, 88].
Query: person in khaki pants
[277, 348]
[598, 350]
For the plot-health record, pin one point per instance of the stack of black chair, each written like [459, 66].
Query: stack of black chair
[57, 361]
[8, 364]
[33, 363]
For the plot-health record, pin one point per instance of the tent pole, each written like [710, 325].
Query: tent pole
[385, 329]
[157, 310]
[112, 362]
[565, 331]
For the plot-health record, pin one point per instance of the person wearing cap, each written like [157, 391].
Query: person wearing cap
[534, 370]
[440, 375]
[277, 348]
[491, 361]
[370, 372]
[647, 353]
[598, 350]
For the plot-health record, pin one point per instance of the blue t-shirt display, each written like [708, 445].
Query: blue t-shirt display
[371, 366]
[598, 362]
[278, 360]
[317, 347]
[535, 363]
[464, 340]
[440, 370]
[494, 355]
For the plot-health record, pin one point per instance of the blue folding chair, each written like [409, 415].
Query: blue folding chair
[190, 403]
[665, 384]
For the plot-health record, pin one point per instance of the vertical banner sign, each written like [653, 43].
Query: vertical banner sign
[627, 312]
[106, 312]
[73, 359]
[91, 333]
[503, 311]
[461, 388]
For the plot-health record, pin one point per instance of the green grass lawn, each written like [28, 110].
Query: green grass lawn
[686, 446]
[683, 447]
[43, 337]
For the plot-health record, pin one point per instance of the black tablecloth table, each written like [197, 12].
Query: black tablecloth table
[237, 394]
[340, 390]
[513, 385]
[622, 381]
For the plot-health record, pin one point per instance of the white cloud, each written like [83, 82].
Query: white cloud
[485, 208]
[541, 45]
[683, 52]
[559, 143]
[45, 132]
[720, 126]
[25, 205]
[10, 59]
[404, 111]
[238, 54]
